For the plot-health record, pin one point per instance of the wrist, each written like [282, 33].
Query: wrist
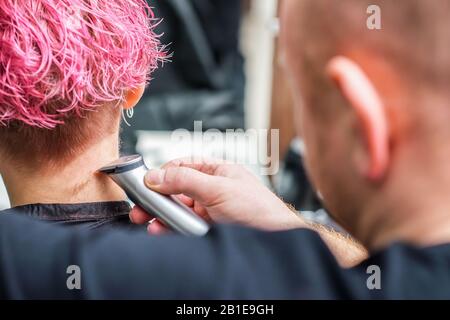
[286, 218]
[294, 218]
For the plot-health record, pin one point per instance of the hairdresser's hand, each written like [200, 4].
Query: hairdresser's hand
[218, 192]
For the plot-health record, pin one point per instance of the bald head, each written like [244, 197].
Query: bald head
[373, 105]
[414, 39]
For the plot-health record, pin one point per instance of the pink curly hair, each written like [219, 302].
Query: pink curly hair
[59, 58]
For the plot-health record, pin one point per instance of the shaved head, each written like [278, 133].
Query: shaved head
[384, 110]
[408, 59]
[414, 36]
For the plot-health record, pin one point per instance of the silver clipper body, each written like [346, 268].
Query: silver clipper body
[129, 172]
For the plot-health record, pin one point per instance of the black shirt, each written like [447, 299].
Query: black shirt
[95, 215]
[229, 263]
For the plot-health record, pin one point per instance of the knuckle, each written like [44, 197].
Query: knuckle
[176, 177]
[230, 170]
[173, 163]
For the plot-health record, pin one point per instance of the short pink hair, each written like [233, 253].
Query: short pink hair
[59, 58]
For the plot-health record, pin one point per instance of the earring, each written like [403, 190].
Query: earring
[127, 114]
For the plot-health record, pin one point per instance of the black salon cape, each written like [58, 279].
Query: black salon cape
[229, 263]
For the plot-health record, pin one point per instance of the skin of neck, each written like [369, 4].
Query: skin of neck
[75, 182]
[413, 206]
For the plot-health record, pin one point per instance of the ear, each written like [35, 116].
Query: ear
[132, 97]
[362, 96]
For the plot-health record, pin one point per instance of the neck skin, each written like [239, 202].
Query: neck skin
[76, 182]
[414, 205]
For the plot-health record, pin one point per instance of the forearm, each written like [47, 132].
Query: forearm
[347, 251]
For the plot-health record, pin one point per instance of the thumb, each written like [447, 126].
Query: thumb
[190, 182]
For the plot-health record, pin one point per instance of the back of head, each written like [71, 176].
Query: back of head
[65, 66]
[366, 138]
[413, 41]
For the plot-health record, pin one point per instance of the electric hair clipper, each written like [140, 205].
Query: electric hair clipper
[129, 172]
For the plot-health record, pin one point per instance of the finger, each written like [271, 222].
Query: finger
[211, 166]
[157, 228]
[139, 216]
[182, 180]
[206, 165]
[201, 211]
[185, 200]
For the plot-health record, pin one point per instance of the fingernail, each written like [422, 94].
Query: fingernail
[155, 177]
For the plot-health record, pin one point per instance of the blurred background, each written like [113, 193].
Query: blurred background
[223, 72]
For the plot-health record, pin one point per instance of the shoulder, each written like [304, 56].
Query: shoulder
[409, 272]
